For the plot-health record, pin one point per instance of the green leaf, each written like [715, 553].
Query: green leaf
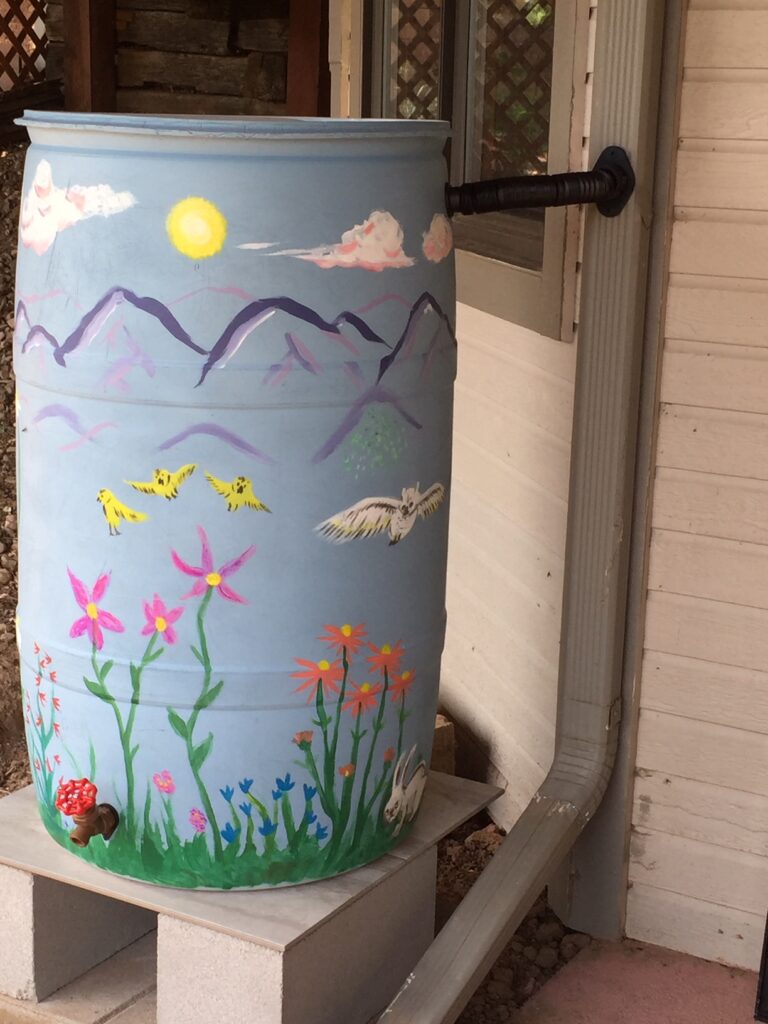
[201, 752]
[135, 681]
[154, 655]
[197, 654]
[96, 688]
[178, 724]
[208, 698]
[106, 668]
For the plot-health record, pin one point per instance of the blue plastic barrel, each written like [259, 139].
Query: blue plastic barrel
[235, 358]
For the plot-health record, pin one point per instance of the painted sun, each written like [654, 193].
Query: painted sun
[196, 227]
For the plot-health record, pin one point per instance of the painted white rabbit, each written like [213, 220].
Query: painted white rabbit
[406, 796]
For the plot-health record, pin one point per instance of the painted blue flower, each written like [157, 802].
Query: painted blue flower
[268, 828]
[227, 793]
[310, 818]
[285, 785]
[230, 833]
[309, 792]
[246, 809]
[245, 785]
[321, 832]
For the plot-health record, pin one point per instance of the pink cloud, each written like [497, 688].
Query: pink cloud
[48, 209]
[438, 240]
[376, 244]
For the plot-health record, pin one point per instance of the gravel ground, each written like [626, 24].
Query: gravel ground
[14, 770]
[541, 945]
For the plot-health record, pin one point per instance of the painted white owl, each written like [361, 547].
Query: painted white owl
[371, 516]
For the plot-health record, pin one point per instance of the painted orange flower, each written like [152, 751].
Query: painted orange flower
[389, 755]
[347, 771]
[339, 637]
[303, 739]
[386, 657]
[400, 685]
[363, 698]
[318, 673]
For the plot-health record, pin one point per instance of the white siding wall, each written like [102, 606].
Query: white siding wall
[514, 400]
[699, 861]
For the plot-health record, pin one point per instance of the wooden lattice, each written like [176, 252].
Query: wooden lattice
[415, 58]
[22, 43]
[513, 81]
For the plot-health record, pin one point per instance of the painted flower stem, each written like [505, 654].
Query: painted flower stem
[330, 762]
[196, 755]
[322, 721]
[340, 825]
[311, 765]
[378, 725]
[99, 689]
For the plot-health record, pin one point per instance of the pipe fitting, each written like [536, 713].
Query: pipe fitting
[100, 820]
[77, 799]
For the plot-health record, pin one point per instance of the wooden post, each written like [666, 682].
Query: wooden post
[89, 55]
[309, 76]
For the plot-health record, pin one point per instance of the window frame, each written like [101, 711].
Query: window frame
[540, 300]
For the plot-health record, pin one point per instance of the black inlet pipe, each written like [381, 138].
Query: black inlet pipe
[609, 184]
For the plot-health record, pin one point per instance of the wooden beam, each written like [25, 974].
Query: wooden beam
[309, 76]
[89, 55]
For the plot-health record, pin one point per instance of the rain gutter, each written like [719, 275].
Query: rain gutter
[606, 409]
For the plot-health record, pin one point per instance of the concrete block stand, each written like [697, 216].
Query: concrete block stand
[330, 952]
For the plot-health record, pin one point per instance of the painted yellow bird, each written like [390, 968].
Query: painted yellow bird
[238, 493]
[164, 483]
[114, 510]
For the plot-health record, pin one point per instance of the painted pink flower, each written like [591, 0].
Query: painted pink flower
[57, 703]
[57, 758]
[95, 618]
[43, 697]
[197, 819]
[57, 728]
[207, 575]
[161, 619]
[164, 781]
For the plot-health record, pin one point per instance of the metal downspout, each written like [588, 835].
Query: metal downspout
[625, 100]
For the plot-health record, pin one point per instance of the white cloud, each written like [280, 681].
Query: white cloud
[48, 209]
[438, 240]
[376, 244]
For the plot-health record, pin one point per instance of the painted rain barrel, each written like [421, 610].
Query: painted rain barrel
[235, 358]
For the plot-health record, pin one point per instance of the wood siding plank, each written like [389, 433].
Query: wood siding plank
[727, 310]
[722, 179]
[703, 752]
[693, 926]
[727, 39]
[701, 690]
[714, 568]
[728, 634]
[713, 440]
[711, 505]
[701, 811]
[720, 243]
[725, 109]
[730, 878]
[715, 376]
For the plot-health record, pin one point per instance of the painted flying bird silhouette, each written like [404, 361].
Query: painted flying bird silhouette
[165, 483]
[375, 515]
[238, 493]
[114, 510]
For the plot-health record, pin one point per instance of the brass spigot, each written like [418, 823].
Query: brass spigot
[77, 799]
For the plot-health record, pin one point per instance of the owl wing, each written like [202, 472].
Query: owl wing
[430, 500]
[128, 513]
[146, 488]
[182, 474]
[220, 486]
[365, 519]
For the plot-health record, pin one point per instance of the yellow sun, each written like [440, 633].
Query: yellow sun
[196, 227]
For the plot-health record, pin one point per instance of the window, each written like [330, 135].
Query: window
[502, 71]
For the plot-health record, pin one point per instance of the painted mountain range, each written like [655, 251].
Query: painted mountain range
[305, 334]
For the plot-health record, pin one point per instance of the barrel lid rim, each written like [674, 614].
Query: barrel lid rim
[229, 126]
